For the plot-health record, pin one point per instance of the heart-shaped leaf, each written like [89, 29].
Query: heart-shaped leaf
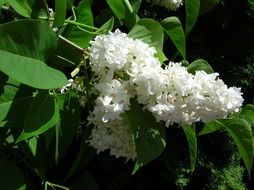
[23, 54]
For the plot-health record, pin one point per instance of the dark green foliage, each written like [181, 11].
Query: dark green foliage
[52, 128]
[229, 177]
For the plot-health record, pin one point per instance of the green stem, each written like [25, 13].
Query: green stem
[81, 24]
[82, 29]
[54, 185]
[71, 22]
[71, 43]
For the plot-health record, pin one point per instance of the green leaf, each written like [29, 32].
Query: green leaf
[2, 2]
[42, 115]
[135, 5]
[60, 9]
[119, 8]
[30, 71]
[37, 40]
[10, 88]
[69, 116]
[192, 12]
[149, 136]
[108, 26]
[211, 127]
[173, 28]
[11, 177]
[161, 56]
[247, 113]
[14, 100]
[124, 11]
[84, 15]
[86, 180]
[22, 7]
[23, 54]
[149, 31]
[251, 3]
[70, 4]
[240, 131]
[192, 142]
[32, 143]
[199, 64]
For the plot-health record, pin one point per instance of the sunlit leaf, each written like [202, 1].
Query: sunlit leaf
[135, 5]
[30, 71]
[21, 6]
[199, 64]
[124, 10]
[13, 102]
[161, 56]
[149, 31]
[83, 15]
[23, 54]
[2, 2]
[10, 88]
[174, 30]
[60, 12]
[240, 131]
[36, 39]
[32, 143]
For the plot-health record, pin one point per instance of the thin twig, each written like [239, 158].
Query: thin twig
[71, 43]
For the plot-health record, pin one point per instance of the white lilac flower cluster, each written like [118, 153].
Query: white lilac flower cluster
[76, 86]
[127, 68]
[187, 98]
[70, 85]
[169, 4]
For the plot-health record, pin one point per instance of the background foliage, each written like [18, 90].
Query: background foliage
[43, 132]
